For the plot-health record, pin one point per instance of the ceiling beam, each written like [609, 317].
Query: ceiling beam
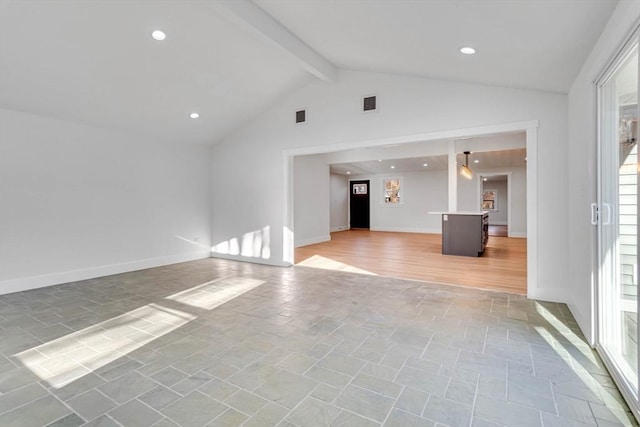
[248, 15]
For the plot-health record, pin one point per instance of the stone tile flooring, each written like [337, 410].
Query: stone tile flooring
[223, 343]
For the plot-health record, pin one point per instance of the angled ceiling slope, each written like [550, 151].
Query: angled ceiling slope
[95, 62]
[529, 44]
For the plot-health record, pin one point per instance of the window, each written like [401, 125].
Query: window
[359, 188]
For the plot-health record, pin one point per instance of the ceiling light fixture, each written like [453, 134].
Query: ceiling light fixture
[348, 173]
[194, 115]
[484, 179]
[379, 160]
[393, 167]
[468, 50]
[476, 161]
[425, 165]
[158, 35]
[464, 170]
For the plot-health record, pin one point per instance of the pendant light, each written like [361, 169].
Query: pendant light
[464, 170]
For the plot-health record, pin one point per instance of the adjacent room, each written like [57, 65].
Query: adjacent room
[319, 213]
[386, 214]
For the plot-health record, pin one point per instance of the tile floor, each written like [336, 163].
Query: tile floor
[223, 343]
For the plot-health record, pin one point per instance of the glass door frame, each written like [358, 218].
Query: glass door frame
[626, 388]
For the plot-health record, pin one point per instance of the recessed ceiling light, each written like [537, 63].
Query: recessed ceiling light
[468, 50]
[393, 167]
[379, 160]
[348, 173]
[425, 165]
[194, 115]
[484, 179]
[158, 35]
[476, 161]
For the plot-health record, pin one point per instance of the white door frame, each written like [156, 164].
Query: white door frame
[529, 127]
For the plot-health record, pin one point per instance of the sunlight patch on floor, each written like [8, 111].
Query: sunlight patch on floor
[68, 358]
[571, 336]
[216, 292]
[318, 261]
[587, 378]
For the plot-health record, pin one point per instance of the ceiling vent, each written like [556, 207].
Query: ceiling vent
[301, 116]
[369, 103]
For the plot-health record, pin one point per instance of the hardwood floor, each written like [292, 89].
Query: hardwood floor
[417, 256]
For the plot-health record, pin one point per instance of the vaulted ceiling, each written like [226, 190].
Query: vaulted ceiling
[95, 62]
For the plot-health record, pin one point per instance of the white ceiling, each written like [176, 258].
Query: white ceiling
[539, 44]
[94, 61]
[488, 160]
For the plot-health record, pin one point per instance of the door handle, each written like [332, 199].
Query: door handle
[594, 214]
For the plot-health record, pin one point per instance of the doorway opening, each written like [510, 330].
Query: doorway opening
[495, 198]
[414, 148]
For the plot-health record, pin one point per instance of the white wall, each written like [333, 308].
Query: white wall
[311, 200]
[469, 198]
[581, 165]
[339, 205]
[499, 216]
[78, 202]
[252, 160]
[420, 193]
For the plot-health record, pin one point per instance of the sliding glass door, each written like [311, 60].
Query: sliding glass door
[618, 219]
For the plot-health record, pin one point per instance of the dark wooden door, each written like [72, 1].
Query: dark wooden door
[359, 203]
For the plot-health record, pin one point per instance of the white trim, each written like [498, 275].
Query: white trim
[288, 243]
[408, 230]
[418, 137]
[531, 129]
[452, 176]
[312, 240]
[34, 282]
[339, 228]
[622, 384]
[533, 290]
[255, 260]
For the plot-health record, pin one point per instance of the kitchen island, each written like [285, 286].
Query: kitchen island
[465, 233]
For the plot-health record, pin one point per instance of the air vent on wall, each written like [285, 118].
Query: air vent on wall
[301, 116]
[369, 103]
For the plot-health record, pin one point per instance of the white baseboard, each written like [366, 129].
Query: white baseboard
[408, 230]
[250, 260]
[34, 282]
[518, 234]
[312, 240]
[584, 323]
[339, 228]
[547, 294]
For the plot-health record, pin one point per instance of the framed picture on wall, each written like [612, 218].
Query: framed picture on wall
[391, 188]
[489, 200]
